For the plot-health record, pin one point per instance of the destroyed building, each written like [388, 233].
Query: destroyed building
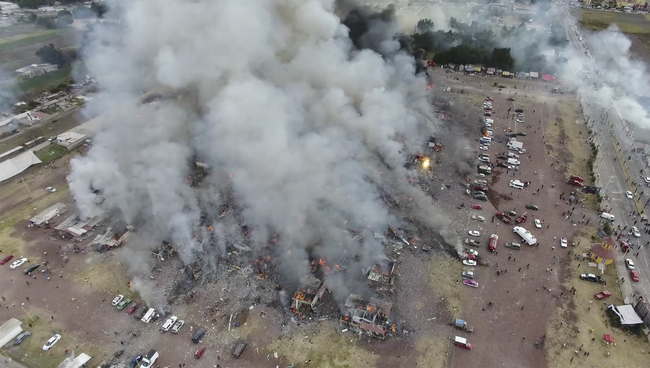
[369, 317]
[77, 229]
[113, 237]
[382, 272]
[305, 298]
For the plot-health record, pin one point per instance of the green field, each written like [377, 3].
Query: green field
[51, 153]
[45, 80]
[626, 22]
[23, 40]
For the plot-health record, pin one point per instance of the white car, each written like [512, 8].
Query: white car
[629, 195]
[513, 155]
[50, 189]
[468, 274]
[169, 323]
[117, 300]
[474, 233]
[480, 175]
[478, 218]
[17, 263]
[538, 223]
[635, 232]
[469, 262]
[483, 148]
[51, 342]
[646, 179]
[563, 242]
[520, 121]
[629, 264]
[177, 326]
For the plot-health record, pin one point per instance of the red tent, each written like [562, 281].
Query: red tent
[548, 78]
[608, 339]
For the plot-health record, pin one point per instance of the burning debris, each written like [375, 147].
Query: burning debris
[382, 272]
[370, 317]
[308, 294]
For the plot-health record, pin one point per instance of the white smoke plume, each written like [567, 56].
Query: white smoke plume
[296, 122]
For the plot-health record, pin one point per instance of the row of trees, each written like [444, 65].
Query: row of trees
[97, 8]
[52, 55]
[514, 48]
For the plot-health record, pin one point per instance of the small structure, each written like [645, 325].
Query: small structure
[627, 314]
[369, 317]
[113, 237]
[9, 330]
[603, 253]
[49, 213]
[548, 78]
[35, 70]
[382, 271]
[305, 298]
[608, 340]
[75, 362]
[534, 75]
[77, 228]
[490, 71]
[70, 140]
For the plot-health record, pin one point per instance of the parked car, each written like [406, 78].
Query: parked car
[51, 342]
[484, 148]
[519, 110]
[634, 274]
[503, 217]
[141, 312]
[512, 245]
[522, 134]
[472, 252]
[169, 323]
[576, 183]
[629, 264]
[198, 335]
[510, 99]
[635, 232]
[472, 242]
[132, 308]
[471, 283]
[563, 242]
[478, 218]
[19, 340]
[177, 326]
[199, 353]
[469, 262]
[532, 207]
[117, 300]
[521, 219]
[629, 195]
[239, 349]
[474, 233]
[468, 274]
[502, 164]
[123, 304]
[6, 259]
[50, 189]
[477, 207]
[511, 213]
[30, 269]
[134, 362]
[480, 196]
[538, 223]
[592, 278]
[603, 295]
[149, 359]
[17, 263]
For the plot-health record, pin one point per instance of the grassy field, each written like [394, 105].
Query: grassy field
[46, 80]
[443, 276]
[626, 22]
[51, 153]
[27, 39]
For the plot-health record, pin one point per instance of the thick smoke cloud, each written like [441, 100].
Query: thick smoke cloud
[299, 122]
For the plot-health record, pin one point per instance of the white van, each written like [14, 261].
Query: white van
[149, 315]
[607, 216]
[486, 139]
[516, 184]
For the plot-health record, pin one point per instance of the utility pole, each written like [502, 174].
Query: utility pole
[25, 184]
[22, 305]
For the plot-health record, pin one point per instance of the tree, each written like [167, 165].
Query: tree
[99, 8]
[424, 25]
[502, 59]
[51, 55]
[64, 18]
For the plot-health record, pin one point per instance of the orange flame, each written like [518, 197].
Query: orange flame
[393, 327]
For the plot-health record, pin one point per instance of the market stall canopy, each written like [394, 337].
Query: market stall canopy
[627, 314]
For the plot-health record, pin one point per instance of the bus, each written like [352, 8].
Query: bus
[527, 237]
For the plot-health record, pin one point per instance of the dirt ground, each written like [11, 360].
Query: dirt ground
[522, 301]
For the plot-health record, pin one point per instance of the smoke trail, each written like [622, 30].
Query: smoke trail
[301, 118]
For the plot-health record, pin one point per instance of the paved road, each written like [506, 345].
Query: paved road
[615, 144]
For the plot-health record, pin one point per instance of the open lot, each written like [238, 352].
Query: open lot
[18, 44]
[626, 22]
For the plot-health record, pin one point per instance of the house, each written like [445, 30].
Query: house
[70, 140]
[305, 298]
[113, 237]
[603, 252]
[76, 228]
[35, 70]
[48, 214]
[382, 271]
[370, 317]
[75, 362]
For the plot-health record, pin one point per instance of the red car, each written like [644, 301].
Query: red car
[199, 353]
[521, 219]
[635, 276]
[576, 183]
[6, 259]
[503, 217]
[477, 206]
[132, 307]
[576, 178]
[603, 295]
[493, 242]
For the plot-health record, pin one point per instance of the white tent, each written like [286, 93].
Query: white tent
[627, 314]
[9, 330]
[18, 164]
